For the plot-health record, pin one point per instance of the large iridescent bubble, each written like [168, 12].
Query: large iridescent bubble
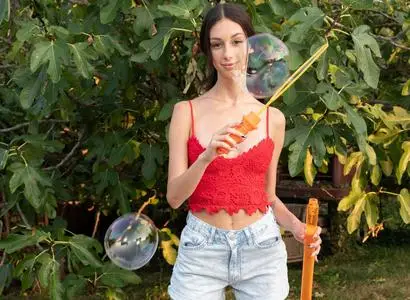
[267, 65]
[131, 241]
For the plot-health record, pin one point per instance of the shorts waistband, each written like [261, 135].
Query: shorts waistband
[198, 225]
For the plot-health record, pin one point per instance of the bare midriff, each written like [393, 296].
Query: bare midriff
[223, 220]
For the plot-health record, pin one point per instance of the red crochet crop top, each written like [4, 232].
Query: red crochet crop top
[232, 183]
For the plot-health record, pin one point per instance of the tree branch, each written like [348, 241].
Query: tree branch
[391, 40]
[69, 155]
[18, 126]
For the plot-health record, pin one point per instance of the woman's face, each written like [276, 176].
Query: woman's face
[228, 47]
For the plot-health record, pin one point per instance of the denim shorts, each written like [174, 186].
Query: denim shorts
[252, 260]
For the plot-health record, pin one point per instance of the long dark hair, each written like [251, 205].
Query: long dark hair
[233, 12]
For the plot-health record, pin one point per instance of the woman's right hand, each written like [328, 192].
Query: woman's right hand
[222, 139]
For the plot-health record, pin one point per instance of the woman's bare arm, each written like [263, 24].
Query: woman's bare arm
[277, 128]
[182, 181]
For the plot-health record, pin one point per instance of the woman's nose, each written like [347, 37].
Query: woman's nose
[228, 52]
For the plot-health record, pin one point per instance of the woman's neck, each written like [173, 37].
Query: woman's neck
[229, 91]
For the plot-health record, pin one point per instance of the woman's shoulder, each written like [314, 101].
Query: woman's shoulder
[276, 117]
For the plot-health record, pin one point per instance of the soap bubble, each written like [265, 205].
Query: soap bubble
[131, 241]
[267, 65]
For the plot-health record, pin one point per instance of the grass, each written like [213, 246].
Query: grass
[371, 271]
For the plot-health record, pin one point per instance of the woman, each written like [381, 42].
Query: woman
[231, 237]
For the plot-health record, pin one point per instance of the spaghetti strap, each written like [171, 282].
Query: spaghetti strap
[192, 119]
[267, 122]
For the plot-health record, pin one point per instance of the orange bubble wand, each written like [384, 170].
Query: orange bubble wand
[312, 215]
[250, 121]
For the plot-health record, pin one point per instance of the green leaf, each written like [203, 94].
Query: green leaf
[139, 57]
[143, 20]
[282, 7]
[295, 59]
[15, 242]
[376, 175]
[88, 242]
[122, 193]
[371, 154]
[102, 44]
[27, 280]
[27, 30]
[53, 52]
[348, 201]
[303, 137]
[182, 9]
[404, 199]
[6, 276]
[404, 160]
[359, 125]
[152, 157]
[353, 220]
[60, 32]
[4, 12]
[364, 45]
[47, 264]
[405, 91]
[358, 4]
[4, 155]
[32, 89]
[118, 46]
[26, 263]
[82, 54]
[33, 179]
[117, 277]
[156, 46]
[371, 209]
[387, 166]
[83, 254]
[322, 67]
[55, 287]
[329, 96]
[74, 285]
[109, 12]
[306, 18]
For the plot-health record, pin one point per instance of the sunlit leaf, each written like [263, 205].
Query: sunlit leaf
[353, 220]
[168, 251]
[404, 160]
[404, 199]
[309, 168]
[371, 209]
[376, 174]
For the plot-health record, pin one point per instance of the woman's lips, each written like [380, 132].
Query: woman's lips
[228, 66]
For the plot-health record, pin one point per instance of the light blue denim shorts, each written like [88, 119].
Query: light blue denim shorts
[251, 260]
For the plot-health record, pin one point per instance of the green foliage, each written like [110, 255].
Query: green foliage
[87, 89]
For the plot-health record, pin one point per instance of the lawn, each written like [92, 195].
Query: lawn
[371, 271]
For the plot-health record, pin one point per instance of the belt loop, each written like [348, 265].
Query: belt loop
[249, 235]
[211, 234]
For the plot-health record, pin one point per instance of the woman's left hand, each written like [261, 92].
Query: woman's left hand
[299, 234]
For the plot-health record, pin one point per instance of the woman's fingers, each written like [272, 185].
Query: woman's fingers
[236, 132]
[218, 144]
[318, 232]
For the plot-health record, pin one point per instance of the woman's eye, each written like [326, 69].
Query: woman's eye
[237, 42]
[215, 46]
